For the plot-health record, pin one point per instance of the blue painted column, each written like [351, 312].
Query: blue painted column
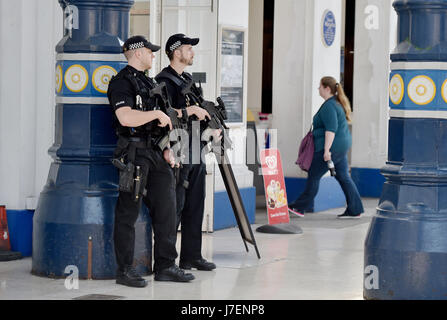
[406, 245]
[78, 201]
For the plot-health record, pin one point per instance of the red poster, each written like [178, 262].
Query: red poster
[275, 187]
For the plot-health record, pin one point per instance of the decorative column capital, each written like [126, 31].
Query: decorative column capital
[421, 32]
[96, 3]
[94, 26]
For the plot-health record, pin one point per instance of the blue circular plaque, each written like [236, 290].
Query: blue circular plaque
[329, 28]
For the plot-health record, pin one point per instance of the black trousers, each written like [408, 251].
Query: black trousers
[190, 207]
[161, 202]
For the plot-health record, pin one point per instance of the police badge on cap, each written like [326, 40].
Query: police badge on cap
[138, 42]
[177, 40]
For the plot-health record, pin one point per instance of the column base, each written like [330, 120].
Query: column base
[63, 223]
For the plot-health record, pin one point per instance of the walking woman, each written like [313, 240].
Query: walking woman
[332, 141]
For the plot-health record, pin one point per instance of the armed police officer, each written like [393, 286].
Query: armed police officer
[146, 167]
[190, 188]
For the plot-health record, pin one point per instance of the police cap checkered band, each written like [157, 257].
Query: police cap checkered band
[177, 40]
[138, 42]
[137, 45]
[175, 46]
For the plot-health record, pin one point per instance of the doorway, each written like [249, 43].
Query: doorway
[267, 59]
[347, 67]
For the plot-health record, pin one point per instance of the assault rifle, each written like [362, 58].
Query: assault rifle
[218, 116]
[160, 93]
[218, 113]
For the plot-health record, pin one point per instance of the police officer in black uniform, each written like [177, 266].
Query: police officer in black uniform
[190, 188]
[146, 168]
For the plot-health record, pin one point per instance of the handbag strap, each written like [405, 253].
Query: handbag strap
[311, 127]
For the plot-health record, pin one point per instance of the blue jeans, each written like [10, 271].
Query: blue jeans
[305, 203]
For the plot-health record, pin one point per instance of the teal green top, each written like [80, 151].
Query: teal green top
[331, 117]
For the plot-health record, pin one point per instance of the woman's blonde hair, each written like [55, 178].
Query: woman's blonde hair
[337, 90]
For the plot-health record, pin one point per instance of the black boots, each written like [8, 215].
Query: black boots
[199, 264]
[129, 277]
[173, 273]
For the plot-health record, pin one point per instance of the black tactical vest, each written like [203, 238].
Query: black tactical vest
[142, 102]
[180, 81]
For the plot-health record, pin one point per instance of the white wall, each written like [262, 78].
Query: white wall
[255, 52]
[375, 38]
[234, 12]
[326, 59]
[292, 64]
[29, 31]
[300, 61]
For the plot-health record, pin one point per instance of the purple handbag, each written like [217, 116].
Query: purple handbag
[306, 152]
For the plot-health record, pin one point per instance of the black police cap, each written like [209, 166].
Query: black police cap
[137, 42]
[177, 40]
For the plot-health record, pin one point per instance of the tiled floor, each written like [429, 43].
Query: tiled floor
[325, 262]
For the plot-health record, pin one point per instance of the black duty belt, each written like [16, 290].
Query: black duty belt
[140, 143]
[134, 143]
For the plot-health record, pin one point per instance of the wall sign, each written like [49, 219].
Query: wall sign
[232, 72]
[328, 28]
